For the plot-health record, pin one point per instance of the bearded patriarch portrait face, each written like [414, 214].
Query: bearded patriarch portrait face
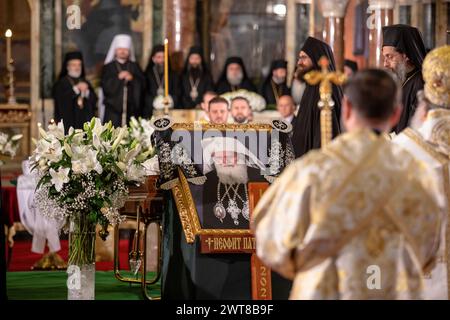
[230, 168]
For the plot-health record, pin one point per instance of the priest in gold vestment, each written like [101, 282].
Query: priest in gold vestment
[428, 139]
[357, 219]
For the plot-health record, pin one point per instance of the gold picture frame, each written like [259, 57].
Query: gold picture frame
[181, 192]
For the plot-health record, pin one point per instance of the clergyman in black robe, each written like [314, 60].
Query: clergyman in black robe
[275, 86]
[307, 134]
[154, 78]
[195, 79]
[119, 72]
[234, 77]
[403, 52]
[74, 98]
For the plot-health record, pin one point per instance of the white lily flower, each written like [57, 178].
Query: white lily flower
[120, 136]
[17, 137]
[134, 123]
[84, 160]
[50, 150]
[42, 133]
[122, 166]
[3, 138]
[68, 149]
[77, 138]
[60, 177]
[56, 130]
[98, 127]
[96, 141]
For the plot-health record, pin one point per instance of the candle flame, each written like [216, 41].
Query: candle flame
[166, 41]
[8, 33]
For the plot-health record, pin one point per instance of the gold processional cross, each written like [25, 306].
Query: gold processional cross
[326, 79]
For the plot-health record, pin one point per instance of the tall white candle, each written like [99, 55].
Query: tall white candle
[8, 35]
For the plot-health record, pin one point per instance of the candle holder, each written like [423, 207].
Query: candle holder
[10, 83]
[166, 103]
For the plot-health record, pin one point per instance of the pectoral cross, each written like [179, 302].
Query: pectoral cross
[326, 103]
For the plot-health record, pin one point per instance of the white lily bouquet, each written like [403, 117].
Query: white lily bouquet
[9, 145]
[83, 177]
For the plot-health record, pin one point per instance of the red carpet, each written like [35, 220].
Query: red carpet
[23, 259]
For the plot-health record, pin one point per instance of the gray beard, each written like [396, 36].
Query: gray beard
[74, 75]
[401, 72]
[235, 81]
[277, 80]
[232, 175]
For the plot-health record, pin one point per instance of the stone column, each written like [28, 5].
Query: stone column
[381, 13]
[333, 32]
[179, 29]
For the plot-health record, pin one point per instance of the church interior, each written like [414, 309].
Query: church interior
[261, 36]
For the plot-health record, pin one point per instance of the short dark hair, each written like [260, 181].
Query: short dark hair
[241, 98]
[217, 100]
[373, 93]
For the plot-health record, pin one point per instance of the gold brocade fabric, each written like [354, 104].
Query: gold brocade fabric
[436, 74]
[431, 144]
[355, 220]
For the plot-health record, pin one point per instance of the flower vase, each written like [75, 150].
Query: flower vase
[81, 262]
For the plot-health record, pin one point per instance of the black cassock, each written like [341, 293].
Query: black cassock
[204, 83]
[411, 86]
[67, 106]
[407, 40]
[199, 79]
[224, 86]
[306, 135]
[272, 91]
[113, 89]
[154, 80]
